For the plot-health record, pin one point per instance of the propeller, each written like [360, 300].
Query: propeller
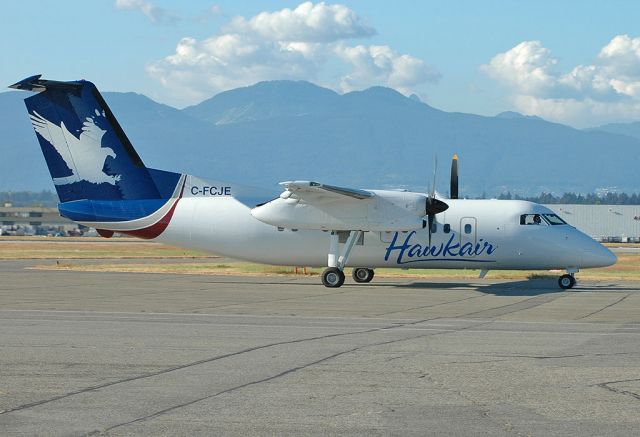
[434, 206]
[453, 185]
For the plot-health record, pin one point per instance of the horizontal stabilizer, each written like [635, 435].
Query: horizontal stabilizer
[35, 84]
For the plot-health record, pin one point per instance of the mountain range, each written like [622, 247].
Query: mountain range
[376, 138]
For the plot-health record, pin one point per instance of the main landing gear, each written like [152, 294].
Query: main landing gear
[568, 281]
[333, 276]
[362, 275]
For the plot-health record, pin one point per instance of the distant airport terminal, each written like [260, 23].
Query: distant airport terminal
[37, 220]
[605, 223]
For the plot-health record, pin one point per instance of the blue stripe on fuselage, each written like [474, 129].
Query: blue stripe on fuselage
[109, 210]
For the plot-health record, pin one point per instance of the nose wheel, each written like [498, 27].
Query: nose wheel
[566, 281]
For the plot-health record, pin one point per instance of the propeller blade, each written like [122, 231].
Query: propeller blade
[433, 206]
[435, 171]
[453, 190]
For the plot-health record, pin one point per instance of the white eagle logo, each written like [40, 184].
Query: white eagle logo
[84, 155]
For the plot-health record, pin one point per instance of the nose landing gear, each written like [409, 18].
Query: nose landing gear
[567, 281]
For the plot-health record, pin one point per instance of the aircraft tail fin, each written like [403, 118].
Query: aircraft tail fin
[88, 154]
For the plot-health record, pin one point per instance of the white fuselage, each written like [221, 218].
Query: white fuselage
[483, 234]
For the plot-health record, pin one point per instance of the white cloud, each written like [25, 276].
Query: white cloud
[526, 67]
[154, 13]
[623, 54]
[308, 42]
[605, 91]
[308, 22]
[381, 64]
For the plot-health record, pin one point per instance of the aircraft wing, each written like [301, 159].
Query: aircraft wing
[308, 189]
[312, 205]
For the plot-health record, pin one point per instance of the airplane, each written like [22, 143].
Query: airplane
[103, 183]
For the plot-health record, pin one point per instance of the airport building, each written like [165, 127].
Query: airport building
[607, 223]
[34, 220]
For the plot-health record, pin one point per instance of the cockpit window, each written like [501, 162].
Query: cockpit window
[541, 219]
[553, 219]
[530, 219]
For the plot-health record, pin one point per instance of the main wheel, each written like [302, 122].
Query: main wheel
[566, 281]
[332, 277]
[362, 275]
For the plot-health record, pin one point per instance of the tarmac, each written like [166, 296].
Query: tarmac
[162, 354]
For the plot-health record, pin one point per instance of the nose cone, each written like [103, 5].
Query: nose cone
[598, 256]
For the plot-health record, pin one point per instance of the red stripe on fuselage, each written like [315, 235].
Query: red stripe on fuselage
[158, 227]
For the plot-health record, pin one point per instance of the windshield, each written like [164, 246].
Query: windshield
[553, 219]
[541, 219]
[530, 219]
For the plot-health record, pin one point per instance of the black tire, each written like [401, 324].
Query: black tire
[566, 281]
[362, 275]
[332, 277]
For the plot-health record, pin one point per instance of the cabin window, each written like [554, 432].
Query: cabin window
[467, 228]
[446, 228]
[434, 227]
[553, 219]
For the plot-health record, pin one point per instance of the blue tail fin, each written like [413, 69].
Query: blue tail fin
[87, 152]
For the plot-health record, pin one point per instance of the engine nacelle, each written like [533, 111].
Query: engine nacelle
[385, 211]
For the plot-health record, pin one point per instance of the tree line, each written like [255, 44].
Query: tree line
[608, 198]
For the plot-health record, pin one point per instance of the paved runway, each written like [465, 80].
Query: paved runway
[156, 354]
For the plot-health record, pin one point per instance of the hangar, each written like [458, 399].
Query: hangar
[606, 223]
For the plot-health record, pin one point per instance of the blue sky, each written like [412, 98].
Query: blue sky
[576, 62]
